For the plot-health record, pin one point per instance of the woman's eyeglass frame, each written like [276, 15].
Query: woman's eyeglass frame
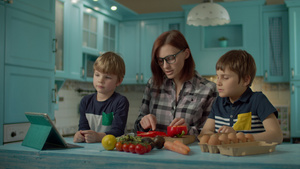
[169, 59]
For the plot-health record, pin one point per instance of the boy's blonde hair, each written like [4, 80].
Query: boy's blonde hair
[240, 62]
[110, 63]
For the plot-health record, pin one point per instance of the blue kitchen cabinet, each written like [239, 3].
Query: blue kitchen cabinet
[275, 43]
[135, 46]
[2, 35]
[109, 33]
[294, 43]
[27, 90]
[294, 36]
[129, 49]
[30, 40]
[27, 60]
[69, 35]
[150, 30]
[136, 40]
[295, 109]
[243, 32]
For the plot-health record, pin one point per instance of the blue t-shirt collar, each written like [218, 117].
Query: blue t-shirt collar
[244, 98]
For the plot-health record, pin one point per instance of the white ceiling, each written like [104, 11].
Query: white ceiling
[154, 6]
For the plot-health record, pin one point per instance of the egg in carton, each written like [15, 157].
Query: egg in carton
[210, 142]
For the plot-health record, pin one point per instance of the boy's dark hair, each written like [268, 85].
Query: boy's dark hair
[240, 62]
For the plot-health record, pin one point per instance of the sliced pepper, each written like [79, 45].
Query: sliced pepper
[177, 131]
[151, 134]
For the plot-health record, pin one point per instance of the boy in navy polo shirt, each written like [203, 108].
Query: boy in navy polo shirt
[105, 111]
[238, 108]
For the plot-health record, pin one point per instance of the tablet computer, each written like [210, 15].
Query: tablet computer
[42, 133]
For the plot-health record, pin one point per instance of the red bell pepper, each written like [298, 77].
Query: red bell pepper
[177, 131]
[151, 134]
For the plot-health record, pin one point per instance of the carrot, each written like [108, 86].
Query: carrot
[173, 147]
[179, 143]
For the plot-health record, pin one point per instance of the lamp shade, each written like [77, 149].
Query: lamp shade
[208, 14]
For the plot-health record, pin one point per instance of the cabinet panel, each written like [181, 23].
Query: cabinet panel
[1, 71]
[29, 40]
[27, 90]
[150, 30]
[73, 42]
[36, 7]
[294, 27]
[295, 109]
[276, 51]
[129, 48]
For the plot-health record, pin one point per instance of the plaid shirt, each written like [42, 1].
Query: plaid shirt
[194, 103]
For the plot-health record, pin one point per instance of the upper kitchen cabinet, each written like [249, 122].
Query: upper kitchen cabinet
[129, 48]
[275, 43]
[136, 40]
[294, 37]
[243, 32]
[83, 33]
[30, 34]
[68, 29]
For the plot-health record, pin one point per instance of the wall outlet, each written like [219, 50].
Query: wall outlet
[15, 132]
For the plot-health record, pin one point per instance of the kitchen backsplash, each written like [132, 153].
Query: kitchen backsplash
[67, 115]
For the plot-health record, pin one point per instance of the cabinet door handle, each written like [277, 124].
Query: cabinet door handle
[293, 88]
[142, 77]
[137, 77]
[266, 75]
[293, 72]
[82, 72]
[53, 96]
[54, 45]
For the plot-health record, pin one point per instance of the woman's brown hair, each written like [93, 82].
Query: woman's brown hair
[177, 40]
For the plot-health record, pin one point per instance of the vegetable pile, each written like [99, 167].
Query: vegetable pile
[137, 144]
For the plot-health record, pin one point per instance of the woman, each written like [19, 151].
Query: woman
[176, 94]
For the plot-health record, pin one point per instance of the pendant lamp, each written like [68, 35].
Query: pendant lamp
[208, 14]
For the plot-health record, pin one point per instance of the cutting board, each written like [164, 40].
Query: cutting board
[185, 139]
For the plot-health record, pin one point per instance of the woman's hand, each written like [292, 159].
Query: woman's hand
[178, 122]
[148, 121]
[226, 129]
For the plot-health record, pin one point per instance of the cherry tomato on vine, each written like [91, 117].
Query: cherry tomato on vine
[132, 148]
[125, 147]
[140, 149]
[148, 148]
[119, 146]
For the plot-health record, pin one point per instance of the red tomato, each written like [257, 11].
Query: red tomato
[140, 149]
[119, 146]
[176, 130]
[148, 148]
[132, 148]
[125, 147]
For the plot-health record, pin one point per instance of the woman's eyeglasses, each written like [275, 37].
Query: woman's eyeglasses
[169, 59]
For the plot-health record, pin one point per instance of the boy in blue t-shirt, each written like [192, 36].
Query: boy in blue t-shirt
[238, 108]
[106, 111]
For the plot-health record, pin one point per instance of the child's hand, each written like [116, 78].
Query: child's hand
[226, 129]
[78, 137]
[91, 136]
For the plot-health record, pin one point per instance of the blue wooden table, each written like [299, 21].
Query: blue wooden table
[95, 156]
